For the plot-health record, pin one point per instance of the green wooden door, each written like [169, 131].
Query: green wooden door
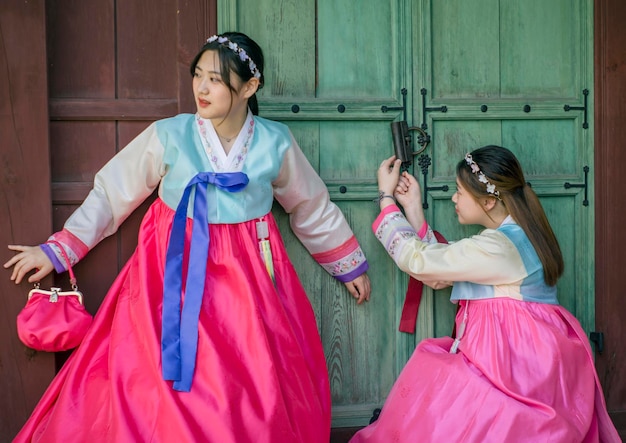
[331, 68]
[505, 71]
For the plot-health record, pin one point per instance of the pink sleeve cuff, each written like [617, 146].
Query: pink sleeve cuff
[73, 246]
[423, 230]
[346, 262]
[387, 210]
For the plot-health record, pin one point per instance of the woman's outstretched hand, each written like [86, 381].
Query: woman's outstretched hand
[27, 259]
[360, 288]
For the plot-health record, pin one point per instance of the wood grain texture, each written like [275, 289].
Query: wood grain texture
[24, 197]
[610, 137]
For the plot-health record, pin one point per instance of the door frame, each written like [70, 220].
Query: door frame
[610, 181]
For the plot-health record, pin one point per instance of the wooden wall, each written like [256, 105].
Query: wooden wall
[610, 183]
[24, 196]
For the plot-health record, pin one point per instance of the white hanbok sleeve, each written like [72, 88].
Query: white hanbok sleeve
[119, 188]
[488, 258]
[317, 222]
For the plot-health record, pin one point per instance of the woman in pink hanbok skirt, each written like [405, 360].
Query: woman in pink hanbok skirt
[207, 334]
[520, 368]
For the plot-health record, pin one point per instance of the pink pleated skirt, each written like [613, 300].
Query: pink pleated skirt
[523, 373]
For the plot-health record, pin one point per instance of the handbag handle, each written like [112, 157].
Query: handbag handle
[67, 260]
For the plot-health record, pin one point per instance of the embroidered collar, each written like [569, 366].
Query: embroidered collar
[212, 146]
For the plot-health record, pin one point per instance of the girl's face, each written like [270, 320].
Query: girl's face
[468, 210]
[214, 99]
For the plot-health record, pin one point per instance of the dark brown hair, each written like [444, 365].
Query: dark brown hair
[230, 62]
[502, 169]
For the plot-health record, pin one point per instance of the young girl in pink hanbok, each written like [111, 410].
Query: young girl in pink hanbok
[207, 334]
[520, 368]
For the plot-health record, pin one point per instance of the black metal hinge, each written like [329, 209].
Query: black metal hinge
[583, 108]
[568, 185]
[426, 109]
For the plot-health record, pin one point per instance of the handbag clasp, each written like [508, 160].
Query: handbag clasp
[54, 297]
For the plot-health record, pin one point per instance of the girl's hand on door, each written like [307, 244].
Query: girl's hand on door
[360, 288]
[29, 258]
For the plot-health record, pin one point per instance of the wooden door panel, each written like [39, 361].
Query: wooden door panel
[493, 77]
[79, 152]
[350, 49]
[349, 149]
[553, 149]
[357, 340]
[147, 62]
[328, 74]
[542, 57]
[550, 146]
[504, 79]
[456, 72]
[114, 68]
[285, 30]
[523, 51]
[81, 48]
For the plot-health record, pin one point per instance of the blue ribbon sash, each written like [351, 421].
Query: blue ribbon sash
[179, 335]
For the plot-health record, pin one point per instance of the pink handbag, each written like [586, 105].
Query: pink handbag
[54, 320]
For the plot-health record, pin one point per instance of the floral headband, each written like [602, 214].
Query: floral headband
[491, 188]
[243, 55]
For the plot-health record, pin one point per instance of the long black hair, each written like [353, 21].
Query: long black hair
[231, 62]
[502, 169]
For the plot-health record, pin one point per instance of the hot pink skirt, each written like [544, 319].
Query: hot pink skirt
[260, 373]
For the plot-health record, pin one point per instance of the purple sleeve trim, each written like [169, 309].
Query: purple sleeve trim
[47, 249]
[345, 278]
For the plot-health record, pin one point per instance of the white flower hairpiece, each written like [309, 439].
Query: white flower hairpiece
[491, 188]
[243, 55]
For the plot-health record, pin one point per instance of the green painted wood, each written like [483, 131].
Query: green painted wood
[526, 49]
[506, 55]
[339, 74]
[326, 57]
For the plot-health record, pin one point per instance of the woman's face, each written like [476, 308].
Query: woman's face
[214, 99]
[468, 210]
